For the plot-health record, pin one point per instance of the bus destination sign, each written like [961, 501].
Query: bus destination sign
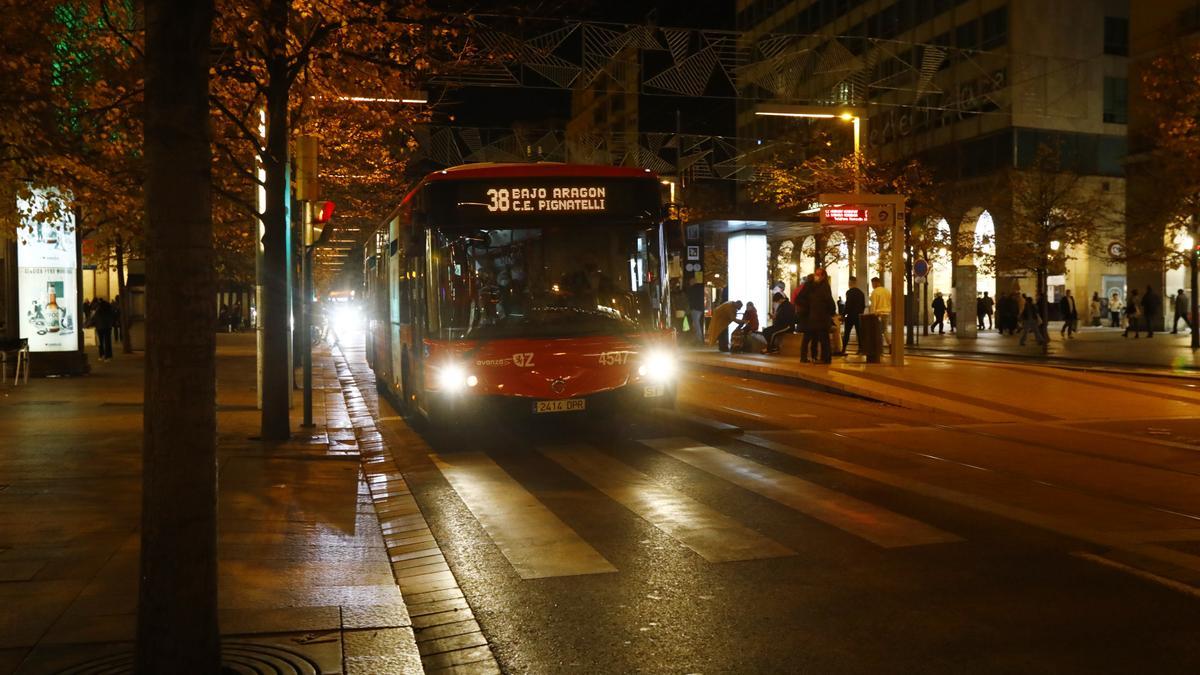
[592, 199]
[557, 198]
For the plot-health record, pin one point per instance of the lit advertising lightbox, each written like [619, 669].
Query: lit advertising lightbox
[47, 266]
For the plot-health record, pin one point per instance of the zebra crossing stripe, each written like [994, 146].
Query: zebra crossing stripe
[875, 524]
[713, 536]
[534, 540]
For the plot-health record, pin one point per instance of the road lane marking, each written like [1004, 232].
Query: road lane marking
[534, 540]
[877, 525]
[713, 536]
[1140, 573]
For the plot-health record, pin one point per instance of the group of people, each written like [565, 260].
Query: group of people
[1016, 311]
[229, 319]
[810, 312]
[105, 318]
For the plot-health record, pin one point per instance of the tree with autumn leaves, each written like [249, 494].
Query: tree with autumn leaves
[339, 70]
[1170, 211]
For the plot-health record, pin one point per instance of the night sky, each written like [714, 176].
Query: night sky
[550, 108]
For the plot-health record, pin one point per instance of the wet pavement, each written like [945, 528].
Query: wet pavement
[832, 534]
[973, 518]
[1100, 347]
[305, 579]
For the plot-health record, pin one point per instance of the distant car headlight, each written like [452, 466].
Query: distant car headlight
[659, 366]
[347, 320]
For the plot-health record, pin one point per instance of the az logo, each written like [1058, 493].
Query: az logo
[523, 360]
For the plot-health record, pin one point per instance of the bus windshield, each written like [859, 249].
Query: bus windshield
[551, 281]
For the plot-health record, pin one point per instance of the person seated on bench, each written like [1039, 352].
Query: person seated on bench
[783, 322]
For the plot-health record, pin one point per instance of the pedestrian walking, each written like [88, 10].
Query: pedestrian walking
[821, 310]
[1029, 321]
[237, 317]
[1182, 305]
[102, 320]
[939, 314]
[718, 325]
[1133, 314]
[987, 309]
[115, 305]
[223, 318]
[1042, 307]
[1151, 305]
[881, 306]
[856, 304]
[951, 315]
[1094, 311]
[1114, 309]
[695, 298]
[1070, 315]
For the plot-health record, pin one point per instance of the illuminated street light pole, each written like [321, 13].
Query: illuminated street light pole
[855, 116]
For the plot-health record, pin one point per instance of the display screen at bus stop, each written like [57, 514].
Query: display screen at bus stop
[506, 199]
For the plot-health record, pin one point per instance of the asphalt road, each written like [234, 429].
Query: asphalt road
[834, 535]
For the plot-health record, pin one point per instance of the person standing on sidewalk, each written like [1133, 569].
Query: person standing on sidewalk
[1094, 309]
[1114, 309]
[821, 309]
[1070, 315]
[1151, 304]
[856, 304]
[802, 303]
[695, 298]
[987, 308]
[1181, 312]
[939, 314]
[103, 317]
[881, 306]
[1133, 314]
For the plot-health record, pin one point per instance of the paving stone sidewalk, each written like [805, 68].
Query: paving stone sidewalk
[305, 576]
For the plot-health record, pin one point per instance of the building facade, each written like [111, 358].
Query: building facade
[972, 89]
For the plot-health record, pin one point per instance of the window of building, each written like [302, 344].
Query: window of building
[1116, 100]
[995, 28]
[966, 36]
[1116, 35]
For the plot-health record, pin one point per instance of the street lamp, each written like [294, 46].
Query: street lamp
[1055, 245]
[854, 115]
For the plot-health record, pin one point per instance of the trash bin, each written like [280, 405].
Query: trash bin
[870, 337]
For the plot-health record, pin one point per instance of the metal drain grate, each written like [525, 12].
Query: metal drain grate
[242, 658]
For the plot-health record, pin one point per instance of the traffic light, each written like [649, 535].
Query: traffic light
[322, 213]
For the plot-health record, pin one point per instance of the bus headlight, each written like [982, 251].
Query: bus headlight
[453, 379]
[658, 366]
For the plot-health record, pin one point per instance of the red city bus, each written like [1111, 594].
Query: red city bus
[522, 288]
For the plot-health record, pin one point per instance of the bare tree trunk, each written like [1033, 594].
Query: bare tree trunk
[177, 604]
[276, 300]
[123, 306]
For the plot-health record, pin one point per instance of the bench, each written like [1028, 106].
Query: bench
[18, 352]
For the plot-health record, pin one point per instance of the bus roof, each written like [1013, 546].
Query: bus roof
[537, 170]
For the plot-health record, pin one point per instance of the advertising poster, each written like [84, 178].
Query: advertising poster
[46, 273]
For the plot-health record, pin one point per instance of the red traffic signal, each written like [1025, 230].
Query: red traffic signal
[325, 214]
